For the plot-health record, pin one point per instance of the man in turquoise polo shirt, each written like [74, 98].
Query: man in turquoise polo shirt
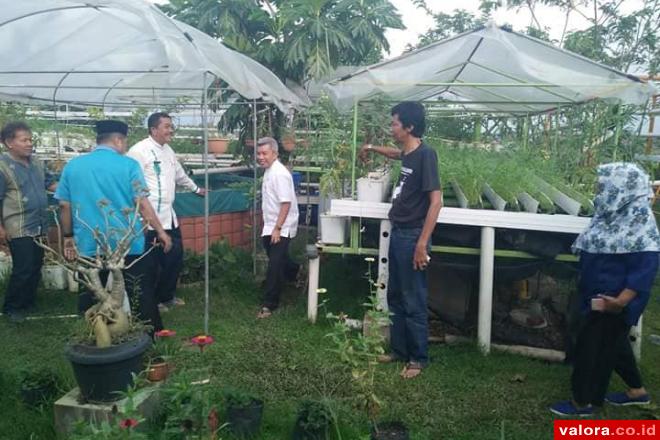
[107, 181]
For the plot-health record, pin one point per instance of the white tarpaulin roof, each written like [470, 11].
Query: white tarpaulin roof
[97, 52]
[490, 69]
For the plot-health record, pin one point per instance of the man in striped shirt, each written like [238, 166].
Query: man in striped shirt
[23, 184]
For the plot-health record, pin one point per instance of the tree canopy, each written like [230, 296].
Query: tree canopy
[297, 39]
[627, 41]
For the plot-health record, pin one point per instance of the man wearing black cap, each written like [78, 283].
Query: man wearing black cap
[107, 176]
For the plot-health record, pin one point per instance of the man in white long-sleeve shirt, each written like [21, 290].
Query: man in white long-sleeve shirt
[163, 173]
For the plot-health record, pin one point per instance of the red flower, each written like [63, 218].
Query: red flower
[165, 333]
[202, 341]
[128, 423]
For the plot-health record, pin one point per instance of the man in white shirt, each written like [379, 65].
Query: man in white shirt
[280, 215]
[163, 173]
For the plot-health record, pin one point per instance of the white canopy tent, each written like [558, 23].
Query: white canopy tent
[102, 52]
[491, 68]
[123, 53]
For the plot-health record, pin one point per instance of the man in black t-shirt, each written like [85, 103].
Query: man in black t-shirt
[416, 203]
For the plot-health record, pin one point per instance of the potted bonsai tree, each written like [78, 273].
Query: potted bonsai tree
[105, 359]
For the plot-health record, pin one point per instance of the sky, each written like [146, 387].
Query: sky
[417, 22]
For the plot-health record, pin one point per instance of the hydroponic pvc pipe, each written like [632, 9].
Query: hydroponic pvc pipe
[383, 262]
[313, 287]
[486, 270]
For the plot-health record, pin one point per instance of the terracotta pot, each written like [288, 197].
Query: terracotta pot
[158, 371]
[218, 145]
[288, 143]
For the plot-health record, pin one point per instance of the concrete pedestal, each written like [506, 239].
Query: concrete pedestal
[69, 410]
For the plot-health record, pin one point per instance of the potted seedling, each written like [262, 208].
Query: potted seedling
[374, 184]
[109, 353]
[243, 412]
[164, 349]
[313, 421]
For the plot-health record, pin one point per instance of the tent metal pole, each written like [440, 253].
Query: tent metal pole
[254, 189]
[355, 128]
[57, 131]
[206, 205]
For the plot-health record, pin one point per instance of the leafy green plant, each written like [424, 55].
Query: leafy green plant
[236, 264]
[314, 415]
[38, 386]
[189, 407]
[359, 351]
[37, 378]
[165, 346]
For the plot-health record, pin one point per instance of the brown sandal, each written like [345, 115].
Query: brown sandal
[411, 370]
[264, 313]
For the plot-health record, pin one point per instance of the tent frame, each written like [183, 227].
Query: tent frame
[202, 93]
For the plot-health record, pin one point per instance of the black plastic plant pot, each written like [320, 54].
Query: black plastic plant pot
[302, 433]
[390, 431]
[33, 396]
[245, 421]
[102, 373]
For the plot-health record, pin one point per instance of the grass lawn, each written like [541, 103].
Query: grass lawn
[462, 395]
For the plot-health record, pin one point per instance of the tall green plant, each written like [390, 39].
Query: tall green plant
[359, 351]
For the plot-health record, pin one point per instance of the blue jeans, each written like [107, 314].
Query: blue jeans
[406, 297]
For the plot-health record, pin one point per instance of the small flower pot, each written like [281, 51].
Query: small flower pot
[390, 431]
[333, 229]
[288, 143]
[54, 277]
[218, 145]
[371, 190]
[244, 422]
[158, 370]
[33, 396]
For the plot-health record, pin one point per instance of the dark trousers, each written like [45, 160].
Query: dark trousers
[280, 268]
[27, 259]
[140, 288]
[407, 293]
[602, 347]
[167, 266]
